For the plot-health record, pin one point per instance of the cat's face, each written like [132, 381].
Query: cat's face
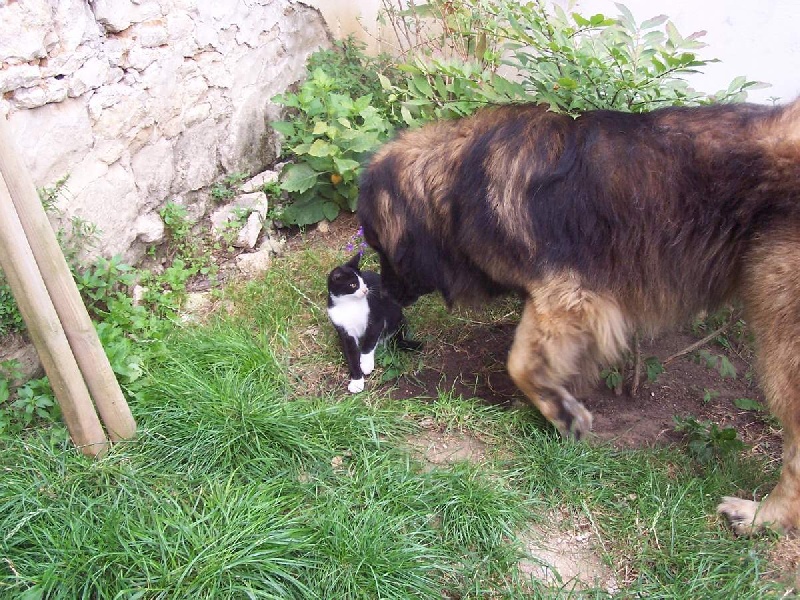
[346, 280]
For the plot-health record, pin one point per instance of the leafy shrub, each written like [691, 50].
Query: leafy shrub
[436, 89]
[577, 63]
[570, 61]
[451, 52]
[329, 139]
[354, 71]
[447, 30]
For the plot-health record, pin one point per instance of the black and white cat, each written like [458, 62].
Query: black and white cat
[363, 316]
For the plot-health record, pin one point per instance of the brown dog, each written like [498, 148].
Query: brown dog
[607, 223]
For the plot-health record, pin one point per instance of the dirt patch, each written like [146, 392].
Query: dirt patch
[785, 562]
[475, 367]
[564, 556]
[440, 448]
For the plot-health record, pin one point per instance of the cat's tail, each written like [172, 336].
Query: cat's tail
[402, 343]
[409, 345]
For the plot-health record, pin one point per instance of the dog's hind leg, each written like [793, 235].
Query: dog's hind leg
[563, 329]
[771, 291]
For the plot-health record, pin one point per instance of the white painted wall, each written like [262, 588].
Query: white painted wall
[757, 39]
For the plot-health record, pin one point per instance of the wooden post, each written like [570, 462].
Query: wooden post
[19, 265]
[63, 291]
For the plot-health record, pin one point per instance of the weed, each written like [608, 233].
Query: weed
[613, 377]
[102, 281]
[19, 409]
[749, 404]
[10, 317]
[396, 363]
[717, 362]
[653, 368]
[49, 196]
[226, 189]
[706, 441]
[177, 223]
[272, 189]
[74, 239]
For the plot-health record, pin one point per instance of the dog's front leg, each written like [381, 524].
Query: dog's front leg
[563, 331]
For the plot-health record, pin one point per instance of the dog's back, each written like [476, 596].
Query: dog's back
[658, 209]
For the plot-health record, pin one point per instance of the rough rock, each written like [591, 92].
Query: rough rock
[235, 211]
[257, 183]
[254, 263]
[27, 359]
[150, 228]
[143, 101]
[248, 235]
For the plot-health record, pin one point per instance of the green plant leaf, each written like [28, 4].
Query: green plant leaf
[321, 148]
[749, 404]
[344, 165]
[654, 368]
[283, 127]
[726, 368]
[304, 212]
[330, 210]
[298, 178]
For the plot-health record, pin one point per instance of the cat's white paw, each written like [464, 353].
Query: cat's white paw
[368, 362]
[355, 386]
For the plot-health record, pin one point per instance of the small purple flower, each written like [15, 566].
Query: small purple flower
[357, 242]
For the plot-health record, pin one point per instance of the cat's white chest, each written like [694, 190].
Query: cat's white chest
[350, 314]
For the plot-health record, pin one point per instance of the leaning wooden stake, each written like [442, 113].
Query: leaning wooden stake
[80, 332]
[19, 265]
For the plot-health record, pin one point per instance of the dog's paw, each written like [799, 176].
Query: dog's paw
[573, 421]
[355, 386]
[368, 363]
[749, 518]
[741, 514]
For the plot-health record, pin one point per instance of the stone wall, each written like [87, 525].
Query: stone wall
[144, 101]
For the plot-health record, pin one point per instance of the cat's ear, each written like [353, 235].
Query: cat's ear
[337, 275]
[353, 262]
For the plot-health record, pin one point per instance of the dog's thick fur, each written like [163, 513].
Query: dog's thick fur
[607, 223]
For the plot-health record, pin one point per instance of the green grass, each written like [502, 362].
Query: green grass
[241, 484]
